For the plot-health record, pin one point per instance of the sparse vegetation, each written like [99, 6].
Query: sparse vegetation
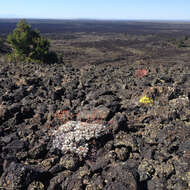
[28, 45]
[1, 44]
[115, 115]
[183, 42]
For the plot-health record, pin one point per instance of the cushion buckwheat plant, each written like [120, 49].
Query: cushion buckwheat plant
[74, 136]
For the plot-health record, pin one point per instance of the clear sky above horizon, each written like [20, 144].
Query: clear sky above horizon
[97, 9]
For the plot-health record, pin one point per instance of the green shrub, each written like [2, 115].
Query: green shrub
[29, 46]
[181, 43]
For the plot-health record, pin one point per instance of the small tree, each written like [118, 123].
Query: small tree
[27, 45]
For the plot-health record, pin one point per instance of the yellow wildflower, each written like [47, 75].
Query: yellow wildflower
[146, 100]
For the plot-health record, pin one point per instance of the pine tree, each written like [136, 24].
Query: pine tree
[29, 46]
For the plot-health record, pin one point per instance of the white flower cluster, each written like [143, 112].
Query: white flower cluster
[73, 136]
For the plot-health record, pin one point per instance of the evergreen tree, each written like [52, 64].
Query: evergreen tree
[29, 46]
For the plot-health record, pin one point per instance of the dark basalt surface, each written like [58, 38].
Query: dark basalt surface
[147, 148]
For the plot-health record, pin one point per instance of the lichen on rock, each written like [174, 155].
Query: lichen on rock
[74, 136]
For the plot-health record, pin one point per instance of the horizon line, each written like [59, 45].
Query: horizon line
[98, 19]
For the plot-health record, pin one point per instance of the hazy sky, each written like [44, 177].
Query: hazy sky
[98, 9]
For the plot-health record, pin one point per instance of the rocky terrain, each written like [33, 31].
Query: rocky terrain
[133, 145]
[115, 115]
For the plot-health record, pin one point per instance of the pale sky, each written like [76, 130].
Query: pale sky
[97, 9]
